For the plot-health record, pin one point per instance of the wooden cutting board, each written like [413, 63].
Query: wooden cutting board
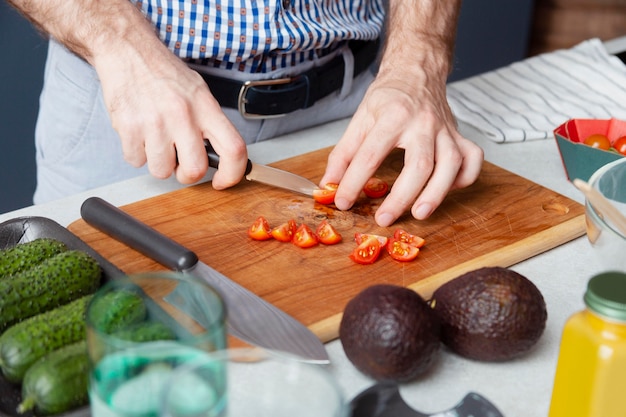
[500, 220]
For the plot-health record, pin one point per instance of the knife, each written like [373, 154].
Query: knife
[268, 175]
[250, 318]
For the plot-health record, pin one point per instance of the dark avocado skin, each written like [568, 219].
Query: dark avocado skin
[490, 314]
[390, 333]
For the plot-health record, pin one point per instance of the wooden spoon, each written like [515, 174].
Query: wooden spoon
[602, 205]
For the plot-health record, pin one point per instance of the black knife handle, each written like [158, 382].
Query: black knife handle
[139, 236]
[214, 158]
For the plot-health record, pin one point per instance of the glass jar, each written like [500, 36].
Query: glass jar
[591, 368]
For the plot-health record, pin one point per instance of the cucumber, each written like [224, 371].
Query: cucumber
[57, 382]
[147, 331]
[25, 342]
[56, 281]
[116, 310]
[24, 256]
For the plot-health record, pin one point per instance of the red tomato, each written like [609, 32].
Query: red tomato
[406, 237]
[360, 237]
[326, 195]
[375, 188]
[285, 231]
[260, 229]
[620, 145]
[367, 251]
[401, 251]
[327, 234]
[598, 141]
[304, 237]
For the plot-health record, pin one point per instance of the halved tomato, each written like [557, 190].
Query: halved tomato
[304, 237]
[406, 237]
[375, 188]
[327, 234]
[367, 251]
[326, 195]
[260, 229]
[285, 232]
[401, 251]
[360, 237]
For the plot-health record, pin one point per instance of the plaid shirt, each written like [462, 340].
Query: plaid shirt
[260, 35]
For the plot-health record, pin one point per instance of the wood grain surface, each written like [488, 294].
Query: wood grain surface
[500, 220]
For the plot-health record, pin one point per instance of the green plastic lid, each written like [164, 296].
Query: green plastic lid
[606, 295]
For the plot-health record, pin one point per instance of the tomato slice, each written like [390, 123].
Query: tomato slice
[326, 195]
[620, 145]
[375, 188]
[327, 234]
[406, 237]
[360, 237]
[304, 237]
[260, 229]
[285, 232]
[401, 251]
[367, 251]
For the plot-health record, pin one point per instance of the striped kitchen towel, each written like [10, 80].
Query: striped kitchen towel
[528, 99]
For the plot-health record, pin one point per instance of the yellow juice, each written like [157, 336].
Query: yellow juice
[590, 376]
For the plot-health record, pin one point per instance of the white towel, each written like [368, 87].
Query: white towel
[529, 99]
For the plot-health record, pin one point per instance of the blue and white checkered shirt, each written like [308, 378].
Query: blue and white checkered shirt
[257, 36]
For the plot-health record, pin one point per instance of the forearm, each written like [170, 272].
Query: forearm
[420, 34]
[89, 28]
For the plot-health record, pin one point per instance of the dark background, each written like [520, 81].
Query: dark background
[491, 34]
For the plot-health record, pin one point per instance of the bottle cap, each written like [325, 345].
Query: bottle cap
[606, 295]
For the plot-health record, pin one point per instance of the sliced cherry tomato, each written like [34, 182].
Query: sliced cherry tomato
[401, 251]
[304, 237]
[620, 145]
[367, 251]
[260, 229]
[406, 237]
[375, 188]
[598, 141]
[326, 195]
[285, 232]
[327, 234]
[360, 237]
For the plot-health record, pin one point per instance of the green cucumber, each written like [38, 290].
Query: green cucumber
[116, 310]
[56, 281]
[24, 256]
[25, 342]
[147, 331]
[57, 382]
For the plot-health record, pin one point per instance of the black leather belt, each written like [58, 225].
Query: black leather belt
[278, 97]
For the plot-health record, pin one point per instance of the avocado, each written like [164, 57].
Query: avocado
[390, 333]
[490, 314]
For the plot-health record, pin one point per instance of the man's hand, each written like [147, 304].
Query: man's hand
[406, 107]
[161, 109]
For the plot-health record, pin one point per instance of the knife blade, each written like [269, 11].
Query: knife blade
[268, 175]
[249, 317]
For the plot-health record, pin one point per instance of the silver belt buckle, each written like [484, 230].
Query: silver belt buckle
[242, 101]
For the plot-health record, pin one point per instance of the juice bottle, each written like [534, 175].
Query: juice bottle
[591, 369]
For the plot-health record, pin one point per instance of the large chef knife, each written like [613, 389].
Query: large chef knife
[268, 175]
[250, 318]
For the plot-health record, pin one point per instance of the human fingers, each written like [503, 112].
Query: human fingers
[369, 151]
[342, 154]
[231, 149]
[417, 169]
